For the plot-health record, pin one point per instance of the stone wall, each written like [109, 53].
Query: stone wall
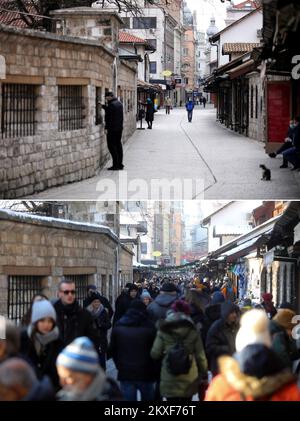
[50, 158]
[53, 248]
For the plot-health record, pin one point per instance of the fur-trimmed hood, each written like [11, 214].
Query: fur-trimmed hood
[250, 386]
[175, 321]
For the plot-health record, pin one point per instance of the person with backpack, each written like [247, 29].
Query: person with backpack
[180, 348]
[190, 107]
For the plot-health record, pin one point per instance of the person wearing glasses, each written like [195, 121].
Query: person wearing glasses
[72, 320]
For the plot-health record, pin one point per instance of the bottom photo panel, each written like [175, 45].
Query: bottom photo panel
[168, 304]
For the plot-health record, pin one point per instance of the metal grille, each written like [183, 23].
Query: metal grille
[21, 290]
[18, 110]
[70, 108]
[81, 283]
[99, 119]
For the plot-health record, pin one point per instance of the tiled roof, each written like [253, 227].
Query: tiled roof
[129, 38]
[12, 18]
[239, 47]
[245, 4]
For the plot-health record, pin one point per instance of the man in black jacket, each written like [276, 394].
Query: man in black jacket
[220, 339]
[114, 125]
[72, 320]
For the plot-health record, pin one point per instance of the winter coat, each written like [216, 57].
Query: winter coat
[122, 304]
[211, 314]
[284, 346]
[45, 363]
[103, 300]
[41, 391]
[221, 336]
[103, 324]
[149, 112]
[253, 377]
[159, 307]
[114, 115]
[130, 344]
[189, 106]
[178, 325]
[73, 321]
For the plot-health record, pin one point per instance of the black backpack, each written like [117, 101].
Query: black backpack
[179, 361]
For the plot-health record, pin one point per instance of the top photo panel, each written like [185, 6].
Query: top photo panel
[149, 99]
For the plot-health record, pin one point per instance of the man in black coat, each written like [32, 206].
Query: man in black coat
[72, 320]
[114, 125]
[131, 342]
[221, 336]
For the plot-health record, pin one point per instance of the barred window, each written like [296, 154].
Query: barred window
[81, 282]
[70, 108]
[21, 290]
[17, 110]
[99, 118]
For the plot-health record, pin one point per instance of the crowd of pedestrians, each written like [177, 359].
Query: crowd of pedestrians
[173, 339]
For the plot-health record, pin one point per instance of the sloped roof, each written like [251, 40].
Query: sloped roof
[127, 38]
[13, 18]
[244, 4]
[238, 47]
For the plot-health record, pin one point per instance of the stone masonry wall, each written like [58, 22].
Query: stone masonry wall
[50, 158]
[33, 249]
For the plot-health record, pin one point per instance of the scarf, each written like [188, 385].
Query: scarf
[40, 341]
[94, 392]
[95, 313]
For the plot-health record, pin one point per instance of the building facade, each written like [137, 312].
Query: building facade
[38, 252]
[52, 121]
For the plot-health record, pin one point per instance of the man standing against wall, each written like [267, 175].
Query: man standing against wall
[114, 125]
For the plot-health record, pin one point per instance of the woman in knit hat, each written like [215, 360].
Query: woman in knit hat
[178, 327]
[254, 373]
[81, 376]
[283, 344]
[102, 323]
[40, 342]
[146, 297]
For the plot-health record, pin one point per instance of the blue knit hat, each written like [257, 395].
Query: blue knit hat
[80, 356]
[41, 310]
[217, 298]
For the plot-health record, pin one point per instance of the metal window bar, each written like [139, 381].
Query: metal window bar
[99, 118]
[18, 110]
[70, 108]
[81, 283]
[21, 290]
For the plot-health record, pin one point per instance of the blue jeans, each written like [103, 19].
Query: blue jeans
[129, 390]
[292, 156]
[190, 115]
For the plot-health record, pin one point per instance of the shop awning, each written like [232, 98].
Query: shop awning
[244, 68]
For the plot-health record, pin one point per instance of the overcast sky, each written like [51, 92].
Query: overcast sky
[208, 8]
